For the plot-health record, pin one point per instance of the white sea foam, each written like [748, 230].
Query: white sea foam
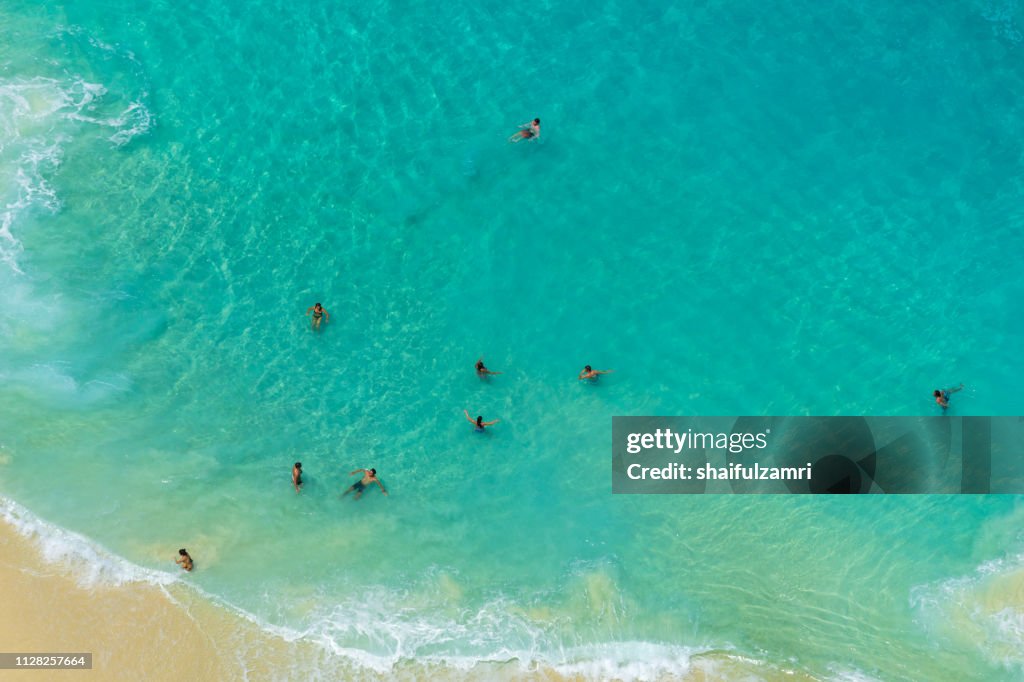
[496, 633]
[89, 563]
[625, 661]
[27, 156]
[92, 565]
[9, 246]
[842, 674]
[39, 116]
[984, 610]
[133, 121]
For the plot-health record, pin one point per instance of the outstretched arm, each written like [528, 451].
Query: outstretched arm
[309, 309]
[490, 423]
[377, 481]
[471, 420]
[353, 473]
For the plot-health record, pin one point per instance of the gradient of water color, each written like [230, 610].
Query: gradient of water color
[804, 209]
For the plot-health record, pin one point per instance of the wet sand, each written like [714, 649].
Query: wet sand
[134, 631]
[143, 631]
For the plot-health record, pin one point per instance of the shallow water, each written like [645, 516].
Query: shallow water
[811, 210]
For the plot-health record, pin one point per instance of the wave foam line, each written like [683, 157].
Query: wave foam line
[984, 610]
[91, 565]
[31, 109]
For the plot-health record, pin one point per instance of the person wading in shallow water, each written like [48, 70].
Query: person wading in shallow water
[184, 560]
[942, 396]
[527, 131]
[588, 374]
[319, 313]
[369, 476]
[297, 476]
[479, 422]
[482, 371]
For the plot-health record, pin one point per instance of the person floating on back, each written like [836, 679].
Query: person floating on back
[369, 476]
[479, 422]
[297, 476]
[527, 131]
[942, 396]
[184, 560]
[319, 313]
[482, 371]
[588, 374]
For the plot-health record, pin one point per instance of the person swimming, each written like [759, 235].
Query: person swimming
[318, 313]
[297, 476]
[369, 476]
[527, 131]
[589, 374]
[942, 396]
[184, 560]
[479, 422]
[482, 371]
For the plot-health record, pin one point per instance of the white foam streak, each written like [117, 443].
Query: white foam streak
[133, 121]
[88, 563]
[407, 638]
[91, 565]
[849, 675]
[38, 117]
[984, 610]
[625, 661]
[9, 247]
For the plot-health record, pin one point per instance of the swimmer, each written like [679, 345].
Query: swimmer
[592, 374]
[527, 131]
[297, 476]
[942, 396]
[318, 313]
[184, 560]
[482, 371]
[479, 422]
[369, 476]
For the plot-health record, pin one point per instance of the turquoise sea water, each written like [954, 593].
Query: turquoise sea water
[810, 208]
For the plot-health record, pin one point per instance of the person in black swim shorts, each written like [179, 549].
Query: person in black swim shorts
[527, 131]
[319, 313]
[369, 476]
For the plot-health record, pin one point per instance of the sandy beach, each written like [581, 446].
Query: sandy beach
[133, 631]
[142, 631]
